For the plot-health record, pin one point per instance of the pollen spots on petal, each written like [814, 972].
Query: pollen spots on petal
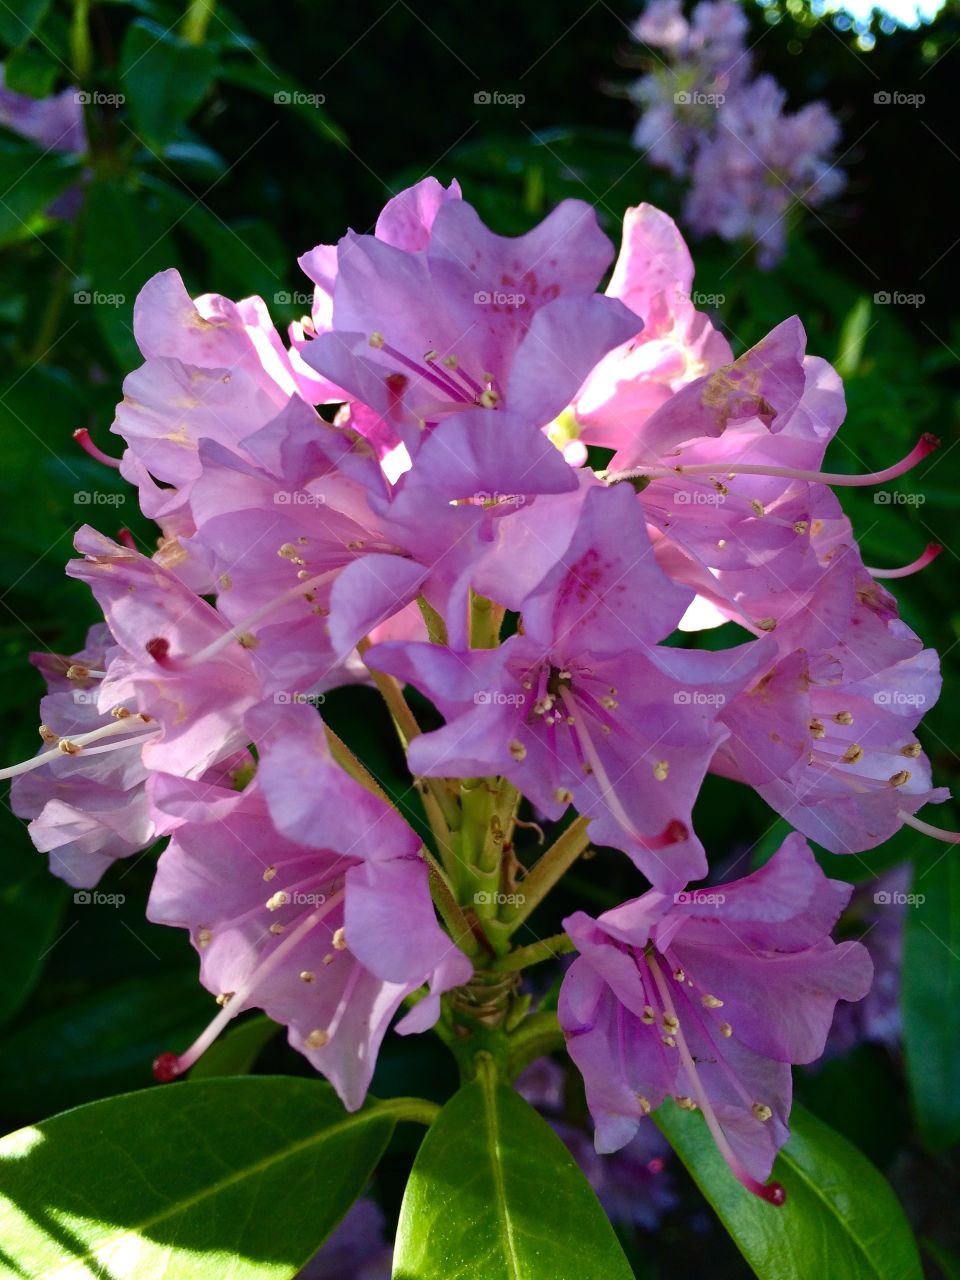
[648, 1016]
[644, 1104]
[761, 1111]
[844, 717]
[48, 735]
[911, 750]
[317, 1038]
[518, 750]
[307, 975]
[277, 928]
[204, 937]
[767, 624]
[711, 1002]
[339, 940]
[280, 899]
[669, 1041]
[816, 729]
[661, 770]
[679, 975]
[853, 754]
[726, 1029]
[563, 796]
[225, 997]
[757, 507]
[899, 779]
[687, 1104]
[269, 873]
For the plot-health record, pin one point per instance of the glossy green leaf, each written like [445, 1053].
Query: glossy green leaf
[241, 1177]
[495, 1195]
[99, 1044]
[931, 999]
[235, 1052]
[285, 93]
[164, 78]
[840, 1217]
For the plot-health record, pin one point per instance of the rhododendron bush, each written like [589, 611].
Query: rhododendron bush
[489, 812]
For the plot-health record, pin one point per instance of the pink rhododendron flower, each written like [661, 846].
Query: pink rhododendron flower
[708, 996]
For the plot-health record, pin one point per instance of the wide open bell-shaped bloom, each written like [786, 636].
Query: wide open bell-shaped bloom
[328, 938]
[709, 996]
[187, 678]
[583, 705]
[470, 320]
[653, 276]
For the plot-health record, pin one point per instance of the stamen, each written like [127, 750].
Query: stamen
[922, 449]
[73, 746]
[167, 1066]
[772, 1192]
[930, 554]
[236, 633]
[82, 437]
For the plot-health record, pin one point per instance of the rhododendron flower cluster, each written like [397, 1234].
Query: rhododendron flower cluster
[708, 120]
[402, 494]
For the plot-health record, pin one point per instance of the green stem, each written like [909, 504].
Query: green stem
[537, 1035]
[196, 20]
[450, 910]
[436, 627]
[547, 871]
[418, 1110]
[543, 949]
[81, 48]
[486, 619]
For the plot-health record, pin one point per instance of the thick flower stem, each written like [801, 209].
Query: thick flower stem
[451, 913]
[197, 19]
[543, 949]
[547, 872]
[486, 619]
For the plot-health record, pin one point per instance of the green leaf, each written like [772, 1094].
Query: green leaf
[126, 241]
[99, 1044]
[32, 902]
[283, 91]
[931, 1000]
[31, 71]
[495, 1195]
[240, 1177]
[840, 1217]
[164, 78]
[235, 1052]
[18, 22]
[30, 181]
[853, 336]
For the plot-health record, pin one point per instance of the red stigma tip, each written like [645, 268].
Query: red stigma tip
[929, 441]
[166, 1067]
[676, 831]
[126, 537]
[774, 1193]
[158, 648]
